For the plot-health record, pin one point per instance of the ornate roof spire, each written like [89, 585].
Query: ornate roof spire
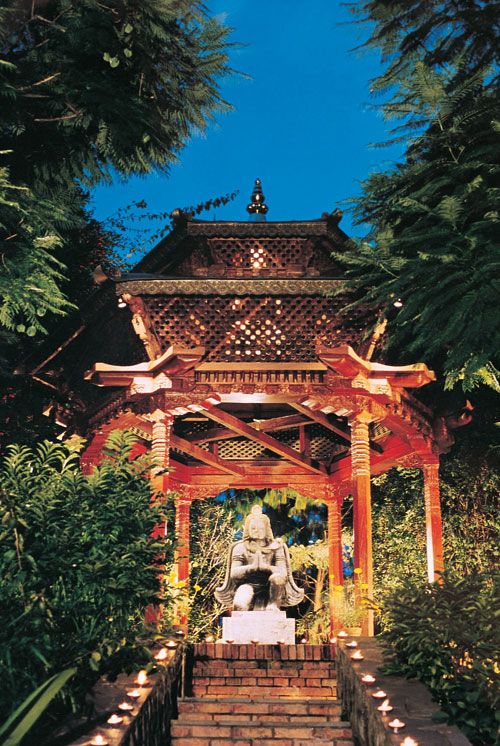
[257, 207]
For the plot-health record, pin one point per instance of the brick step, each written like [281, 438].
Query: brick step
[239, 708]
[257, 733]
[286, 692]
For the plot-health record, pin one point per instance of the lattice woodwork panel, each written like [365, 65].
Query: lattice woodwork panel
[252, 328]
[241, 449]
[260, 253]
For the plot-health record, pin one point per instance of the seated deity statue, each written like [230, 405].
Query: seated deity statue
[258, 575]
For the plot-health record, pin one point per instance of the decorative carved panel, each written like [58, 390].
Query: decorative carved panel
[252, 328]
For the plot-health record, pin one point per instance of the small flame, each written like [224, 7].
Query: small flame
[409, 741]
[142, 678]
[161, 655]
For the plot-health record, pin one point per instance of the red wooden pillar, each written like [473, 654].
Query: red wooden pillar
[434, 528]
[160, 450]
[362, 514]
[182, 530]
[92, 454]
[335, 567]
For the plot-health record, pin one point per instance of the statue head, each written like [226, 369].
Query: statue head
[257, 525]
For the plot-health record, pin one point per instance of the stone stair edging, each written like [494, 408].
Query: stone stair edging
[411, 700]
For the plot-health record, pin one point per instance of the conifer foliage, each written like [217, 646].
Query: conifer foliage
[87, 88]
[434, 216]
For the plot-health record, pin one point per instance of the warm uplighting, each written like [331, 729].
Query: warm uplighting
[134, 693]
[209, 638]
[304, 641]
[125, 706]
[171, 644]
[115, 720]
[396, 725]
[379, 694]
[352, 644]
[385, 707]
[409, 741]
[333, 640]
[99, 740]
[161, 655]
[342, 634]
[142, 678]
[255, 641]
[357, 656]
[368, 679]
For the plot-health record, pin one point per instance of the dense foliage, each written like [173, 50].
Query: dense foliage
[78, 565]
[446, 635]
[434, 216]
[87, 88]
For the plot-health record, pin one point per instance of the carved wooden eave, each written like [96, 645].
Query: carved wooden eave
[226, 286]
[148, 376]
[375, 377]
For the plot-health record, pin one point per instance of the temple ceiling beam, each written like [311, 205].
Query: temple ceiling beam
[270, 425]
[244, 429]
[205, 457]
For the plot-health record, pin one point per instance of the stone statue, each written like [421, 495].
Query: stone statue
[258, 575]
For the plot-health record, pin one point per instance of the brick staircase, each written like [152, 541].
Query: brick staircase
[261, 695]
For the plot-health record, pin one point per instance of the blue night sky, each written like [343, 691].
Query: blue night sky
[302, 122]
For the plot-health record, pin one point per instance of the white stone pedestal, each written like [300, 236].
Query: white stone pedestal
[265, 626]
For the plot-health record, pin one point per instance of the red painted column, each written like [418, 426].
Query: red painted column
[433, 523]
[91, 456]
[362, 514]
[335, 567]
[160, 451]
[182, 530]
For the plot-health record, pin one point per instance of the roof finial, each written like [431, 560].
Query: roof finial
[257, 207]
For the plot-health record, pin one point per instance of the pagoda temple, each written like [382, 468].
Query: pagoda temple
[225, 352]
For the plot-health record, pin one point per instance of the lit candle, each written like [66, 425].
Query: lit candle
[352, 644]
[408, 741]
[385, 707]
[303, 641]
[161, 655]
[357, 656]
[342, 634]
[142, 678]
[368, 679]
[379, 694]
[171, 644]
[99, 740]
[115, 719]
[125, 706]
[396, 725]
[134, 693]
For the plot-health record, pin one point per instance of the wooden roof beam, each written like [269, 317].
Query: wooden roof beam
[204, 456]
[271, 425]
[246, 430]
[321, 418]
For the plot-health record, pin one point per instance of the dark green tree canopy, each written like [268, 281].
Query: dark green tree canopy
[87, 89]
[434, 216]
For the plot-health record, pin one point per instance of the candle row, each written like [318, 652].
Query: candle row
[127, 708]
[385, 707]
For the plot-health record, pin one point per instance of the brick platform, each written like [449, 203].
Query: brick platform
[258, 695]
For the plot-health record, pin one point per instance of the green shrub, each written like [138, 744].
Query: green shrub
[445, 635]
[78, 565]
